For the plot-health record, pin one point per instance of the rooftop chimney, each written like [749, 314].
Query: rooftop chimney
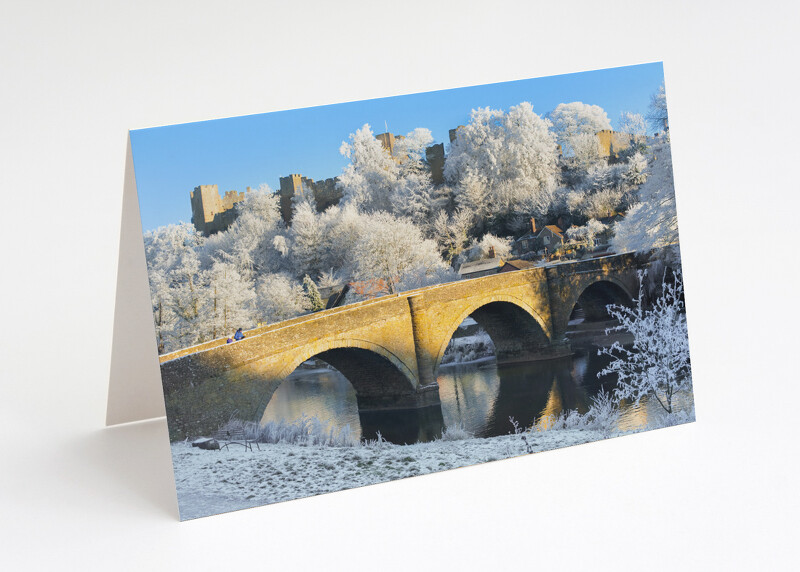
[533, 225]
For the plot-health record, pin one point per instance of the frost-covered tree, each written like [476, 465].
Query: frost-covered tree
[604, 203]
[167, 249]
[451, 233]
[164, 316]
[573, 122]
[585, 151]
[312, 293]
[177, 288]
[377, 181]
[632, 123]
[368, 180]
[635, 174]
[342, 227]
[657, 365]
[588, 233]
[489, 245]
[413, 196]
[248, 242]
[389, 248]
[280, 298]
[330, 279]
[653, 222]
[308, 240]
[503, 163]
[230, 301]
[604, 190]
[412, 148]
[657, 115]
[473, 196]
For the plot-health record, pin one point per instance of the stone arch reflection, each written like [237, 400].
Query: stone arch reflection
[360, 386]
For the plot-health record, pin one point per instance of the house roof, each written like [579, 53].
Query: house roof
[519, 264]
[554, 229]
[480, 265]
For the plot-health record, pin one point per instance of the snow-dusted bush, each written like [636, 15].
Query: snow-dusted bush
[658, 365]
[305, 431]
[456, 433]
[603, 414]
[377, 443]
[672, 419]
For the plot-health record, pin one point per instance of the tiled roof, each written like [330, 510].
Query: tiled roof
[554, 229]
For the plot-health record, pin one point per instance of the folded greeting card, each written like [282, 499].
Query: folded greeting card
[354, 293]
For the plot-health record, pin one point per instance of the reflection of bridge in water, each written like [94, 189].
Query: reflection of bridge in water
[390, 348]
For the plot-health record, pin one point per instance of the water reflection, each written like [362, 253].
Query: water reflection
[322, 392]
[480, 397]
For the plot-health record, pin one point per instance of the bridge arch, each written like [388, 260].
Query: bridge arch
[512, 323]
[385, 387]
[595, 294]
[356, 357]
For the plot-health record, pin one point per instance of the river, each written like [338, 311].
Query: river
[479, 396]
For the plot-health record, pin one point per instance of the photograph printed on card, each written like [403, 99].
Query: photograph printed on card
[355, 293]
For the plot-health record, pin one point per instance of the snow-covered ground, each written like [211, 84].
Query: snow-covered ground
[211, 482]
[466, 349]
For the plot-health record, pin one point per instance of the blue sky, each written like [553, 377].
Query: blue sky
[246, 151]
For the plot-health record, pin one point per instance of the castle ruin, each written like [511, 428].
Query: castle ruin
[212, 213]
[325, 193]
[612, 143]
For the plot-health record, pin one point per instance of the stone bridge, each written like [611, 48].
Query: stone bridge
[390, 348]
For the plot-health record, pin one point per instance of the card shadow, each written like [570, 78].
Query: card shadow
[135, 458]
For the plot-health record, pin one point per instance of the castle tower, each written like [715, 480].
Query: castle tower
[612, 142]
[434, 155]
[206, 203]
[290, 186]
[454, 133]
[210, 212]
[388, 140]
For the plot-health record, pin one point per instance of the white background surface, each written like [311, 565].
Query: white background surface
[719, 494]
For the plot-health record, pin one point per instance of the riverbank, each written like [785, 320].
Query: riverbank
[210, 482]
